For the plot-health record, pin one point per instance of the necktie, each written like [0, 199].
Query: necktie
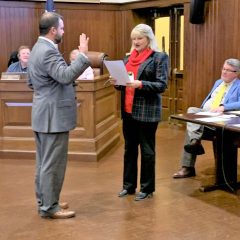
[219, 95]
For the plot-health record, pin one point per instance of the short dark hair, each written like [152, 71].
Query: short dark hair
[47, 21]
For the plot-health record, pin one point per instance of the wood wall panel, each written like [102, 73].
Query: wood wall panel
[97, 129]
[18, 27]
[19, 23]
[207, 45]
[124, 24]
[98, 25]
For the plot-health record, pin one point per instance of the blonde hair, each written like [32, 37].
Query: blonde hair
[23, 47]
[145, 30]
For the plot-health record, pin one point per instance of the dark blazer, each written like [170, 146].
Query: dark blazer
[147, 101]
[54, 106]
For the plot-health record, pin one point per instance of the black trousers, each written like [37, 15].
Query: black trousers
[137, 134]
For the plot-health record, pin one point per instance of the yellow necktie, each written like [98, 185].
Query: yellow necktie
[219, 95]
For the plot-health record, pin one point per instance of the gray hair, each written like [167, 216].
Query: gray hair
[234, 63]
[145, 30]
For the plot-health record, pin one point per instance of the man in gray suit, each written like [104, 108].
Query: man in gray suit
[53, 111]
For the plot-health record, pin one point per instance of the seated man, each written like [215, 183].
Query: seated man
[224, 96]
[88, 73]
[21, 65]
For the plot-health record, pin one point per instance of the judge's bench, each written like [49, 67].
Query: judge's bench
[97, 129]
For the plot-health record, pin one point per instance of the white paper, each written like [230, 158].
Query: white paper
[118, 71]
[228, 116]
[217, 118]
[212, 119]
[234, 112]
[208, 113]
[235, 125]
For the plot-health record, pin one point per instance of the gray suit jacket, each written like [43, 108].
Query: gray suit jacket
[54, 102]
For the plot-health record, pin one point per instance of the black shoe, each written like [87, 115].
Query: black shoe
[125, 192]
[195, 147]
[141, 196]
[185, 172]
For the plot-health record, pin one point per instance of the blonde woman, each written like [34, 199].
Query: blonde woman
[141, 110]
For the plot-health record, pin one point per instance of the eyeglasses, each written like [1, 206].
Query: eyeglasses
[229, 70]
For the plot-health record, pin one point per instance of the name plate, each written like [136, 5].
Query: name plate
[13, 76]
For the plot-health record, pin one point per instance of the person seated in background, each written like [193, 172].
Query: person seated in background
[88, 73]
[23, 56]
[224, 96]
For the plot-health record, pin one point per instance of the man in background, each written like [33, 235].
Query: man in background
[53, 111]
[88, 73]
[21, 64]
[224, 96]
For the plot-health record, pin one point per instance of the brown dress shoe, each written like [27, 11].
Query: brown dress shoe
[62, 214]
[195, 147]
[185, 172]
[63, 205]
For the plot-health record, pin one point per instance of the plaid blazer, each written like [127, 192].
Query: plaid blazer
[147, 101]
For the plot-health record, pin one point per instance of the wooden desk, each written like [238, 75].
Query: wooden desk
[226, 143]
[97, 128]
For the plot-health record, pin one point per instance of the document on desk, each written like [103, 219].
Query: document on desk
[234, 112]
[212, 114]
[118, 71]
[212, 119]
[220, 118]
[235, 125]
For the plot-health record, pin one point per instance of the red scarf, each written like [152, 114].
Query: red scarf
[134, 61]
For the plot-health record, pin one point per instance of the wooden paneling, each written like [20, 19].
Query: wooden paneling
[18, 27]
[98, 25]
[97, 128]
[19, 23]
[206, 47]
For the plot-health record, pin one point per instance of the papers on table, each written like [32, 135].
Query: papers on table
[212, 119]
[208, 113]
[235, 125]
[118, 71]
[234, 112]
[215, 117]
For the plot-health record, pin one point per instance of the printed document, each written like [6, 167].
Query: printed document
[118, 71]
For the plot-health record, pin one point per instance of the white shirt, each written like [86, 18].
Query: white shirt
[47, 39]
[208, 103]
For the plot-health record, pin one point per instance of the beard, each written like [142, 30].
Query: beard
[58, 39]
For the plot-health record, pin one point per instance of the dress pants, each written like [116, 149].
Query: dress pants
[51, 161]
[139, 133]
[194, 131]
